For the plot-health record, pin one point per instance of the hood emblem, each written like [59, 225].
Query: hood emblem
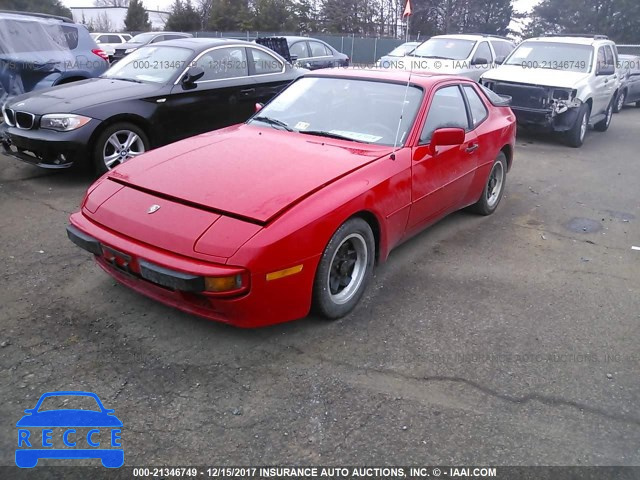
[153, 209]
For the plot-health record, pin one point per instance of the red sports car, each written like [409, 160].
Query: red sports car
[257, 223]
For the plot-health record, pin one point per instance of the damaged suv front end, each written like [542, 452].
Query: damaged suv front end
[537, 106]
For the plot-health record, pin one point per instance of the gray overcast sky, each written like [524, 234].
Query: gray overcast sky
[521, 5]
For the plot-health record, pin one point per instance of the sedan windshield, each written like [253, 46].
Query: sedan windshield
[402, 50]
[355, 110]
[445, 48]
[143, 37]
[552, 55]
[155, 64]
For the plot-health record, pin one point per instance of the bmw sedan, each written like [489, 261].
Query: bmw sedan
[259, 223]
[156, 95]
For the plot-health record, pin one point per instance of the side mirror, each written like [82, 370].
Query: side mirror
[259, 107]
[294, 58]
[444, 137]
[479, 61]
[606, 70]
[192, 75]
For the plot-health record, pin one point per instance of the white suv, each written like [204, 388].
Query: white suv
[466, 55]
[560, 83]
[108, 41]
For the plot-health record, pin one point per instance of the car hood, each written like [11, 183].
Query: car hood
[75, 97]
[246, 171]
[544, 77]
[69, 418]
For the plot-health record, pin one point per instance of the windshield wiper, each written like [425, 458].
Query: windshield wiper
[322, 133]
[274, 122]
[134, 80]
[433, 56]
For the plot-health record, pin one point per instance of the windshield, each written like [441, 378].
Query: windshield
[69, 402]
[553, 56]
[357, 110]
[446, 48]
[154, 64]
[143, 37]
[402, 50]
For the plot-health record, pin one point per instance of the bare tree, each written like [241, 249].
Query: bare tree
[102, 23]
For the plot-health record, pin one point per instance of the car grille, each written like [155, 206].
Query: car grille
[10, 116]
[526, 96]
[24, 120]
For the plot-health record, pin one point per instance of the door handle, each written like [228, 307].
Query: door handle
[472, 147]
[247, 91]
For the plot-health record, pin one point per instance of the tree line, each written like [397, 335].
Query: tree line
[619, 19]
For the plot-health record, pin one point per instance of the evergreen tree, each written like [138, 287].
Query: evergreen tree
[227, 15]
[137, 18]
[183, 17]
[52, 7]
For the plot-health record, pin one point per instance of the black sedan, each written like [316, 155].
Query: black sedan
[309, 53]
[156, 95]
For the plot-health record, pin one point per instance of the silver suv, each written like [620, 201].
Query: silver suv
[560, 83]
[466, 55]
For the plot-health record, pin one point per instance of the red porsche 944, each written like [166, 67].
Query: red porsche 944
[262, 222]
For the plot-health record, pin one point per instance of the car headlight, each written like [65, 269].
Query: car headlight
[129, 50]
[63, 122]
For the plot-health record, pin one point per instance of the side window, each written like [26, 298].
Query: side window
[318, 49]
[483, 52]
[101, 39]
[71, 36]
[502, 49]
[478, 109]
[601, 62]
[223, 63]
[114, 39]
[265, 63]
[447, 110]
[159, 38]
[609, 55]
[173, 37]
[299, 49]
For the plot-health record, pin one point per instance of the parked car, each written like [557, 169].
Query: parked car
[159, 94]
[560, 83]
[466, 55]
[253, 224]
[39, 51]
[143, 39]
[388, 60]
[310, 53]
[109, 41]
[629, 91]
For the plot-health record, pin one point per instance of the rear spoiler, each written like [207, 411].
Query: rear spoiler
[278, 45]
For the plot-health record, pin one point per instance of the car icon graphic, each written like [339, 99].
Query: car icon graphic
[98, 422]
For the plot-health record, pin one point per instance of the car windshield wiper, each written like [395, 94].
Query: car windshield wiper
[274, 122]
[322, 133]
[433, 56]
[134, 80]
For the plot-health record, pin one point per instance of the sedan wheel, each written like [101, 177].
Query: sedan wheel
[344, 269]
[118, 144]
[494, 188]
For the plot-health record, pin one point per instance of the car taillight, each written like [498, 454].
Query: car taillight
[99, 52]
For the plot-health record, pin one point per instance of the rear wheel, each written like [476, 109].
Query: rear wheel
[620, 101]
[575, 136]
[603, 125]
[344, 270]
[494, 188]
[117, 144]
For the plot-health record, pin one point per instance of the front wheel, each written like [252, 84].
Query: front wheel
[344, 270]
[117, 144]
[575, 136]
[494, 188]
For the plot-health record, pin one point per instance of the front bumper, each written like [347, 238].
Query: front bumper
[545, 119]
[47, 148]
[175, 280]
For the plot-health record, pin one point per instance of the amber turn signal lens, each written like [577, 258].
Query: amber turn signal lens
[284, 273]
[223, 284]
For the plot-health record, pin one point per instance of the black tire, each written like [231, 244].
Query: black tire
[490, 198]
[620, 101]
[638, 104]
[603, 125]
[101, 144]
[575, 137]
[331, 298]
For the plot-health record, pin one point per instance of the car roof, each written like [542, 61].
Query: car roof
[423, 79]
[36, 17]
[572, 40]
[472, 36]
[198, 43]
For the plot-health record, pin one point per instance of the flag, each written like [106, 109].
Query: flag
[407, 9]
